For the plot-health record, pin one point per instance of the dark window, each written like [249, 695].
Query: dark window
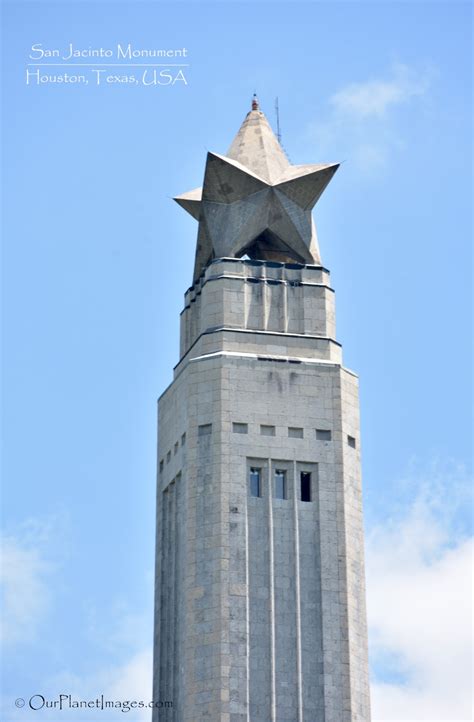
[351, 441]
[255, 482]
[280, 484]
[168, 457]
[176, 446]
[323, 434]
[267, 430]
[295, 432]
[204, 429]
[238, 428]
[161, 465]
[183, 439]
[305, 486]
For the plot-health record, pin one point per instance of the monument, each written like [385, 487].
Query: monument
[260, 595]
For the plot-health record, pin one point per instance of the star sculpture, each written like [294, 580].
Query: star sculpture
[254, 202]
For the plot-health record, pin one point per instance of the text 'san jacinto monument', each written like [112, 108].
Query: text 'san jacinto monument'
[260, 598]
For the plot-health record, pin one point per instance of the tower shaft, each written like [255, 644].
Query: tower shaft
[260, 593]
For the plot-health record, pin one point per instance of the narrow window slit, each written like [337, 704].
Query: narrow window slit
[255, 482]
[280, 484]
[305, 483]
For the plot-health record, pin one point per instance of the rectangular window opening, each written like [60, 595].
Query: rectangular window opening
[280, 484]
[162, 463]
[176, 446]
[295, 432]
[266, 430]
[239, 428]
[168, 457]
[305, 481]
[255, 482]
[351, 441]
[323, 434]
[204, 429]
[183, 439]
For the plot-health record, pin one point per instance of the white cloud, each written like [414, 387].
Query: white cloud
[419, 572]
[24, 577]
[375, 97]
[125, 628]
[134, 678]
[127, 681]
[362, 126]
[119, 677]
[120, 664]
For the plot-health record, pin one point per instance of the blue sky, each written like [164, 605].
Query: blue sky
[96, 259]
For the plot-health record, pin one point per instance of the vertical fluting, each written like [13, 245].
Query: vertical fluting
[260, 684]
[266, 298]
[161, 600]
[285, 307]
[171, 589]
[296, 533]
[246, 304]
[247, 608]
[166, 660]
[271, 555]
[177, 595]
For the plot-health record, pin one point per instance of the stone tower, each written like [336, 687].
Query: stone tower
[260, 599]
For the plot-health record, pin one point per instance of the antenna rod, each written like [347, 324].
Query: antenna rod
[277, 111]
